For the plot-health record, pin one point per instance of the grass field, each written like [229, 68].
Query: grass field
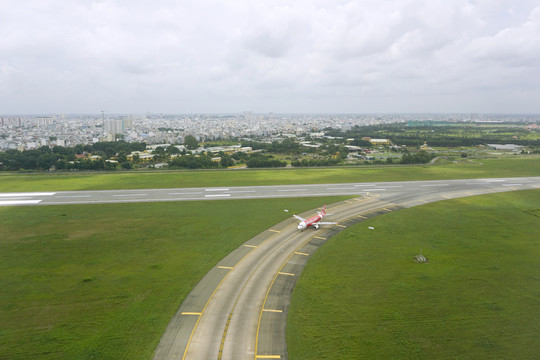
[507, 167]
[103, 281]
[362, 296]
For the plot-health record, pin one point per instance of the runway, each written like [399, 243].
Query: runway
[239, 309]
[385, 189]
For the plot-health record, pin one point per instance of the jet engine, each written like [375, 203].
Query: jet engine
[316, 226]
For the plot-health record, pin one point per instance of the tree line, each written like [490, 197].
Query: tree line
[65, 158]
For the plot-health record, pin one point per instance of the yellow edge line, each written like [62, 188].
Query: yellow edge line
[250, 246]
[267, 356]
[318, 237]
[299, 253]
[225, 267]
[387, 209]
[363, 217]
[343, 226]
[192, 313]
[276, 231]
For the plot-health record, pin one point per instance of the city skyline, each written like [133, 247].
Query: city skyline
[209, 57]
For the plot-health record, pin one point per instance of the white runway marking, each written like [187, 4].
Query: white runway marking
[341, 188]
[186, 193]
[72, 196]
[19, 202]
[216, 189]
[119, 195]
[27, 194]
[436, 185]
[241, 191]
[294, 190]
[216, 195]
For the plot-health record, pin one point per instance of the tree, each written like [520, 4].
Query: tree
[190, 142]
[226, 161]
[171, 149]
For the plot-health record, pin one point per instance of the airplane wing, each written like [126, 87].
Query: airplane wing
[299, 218]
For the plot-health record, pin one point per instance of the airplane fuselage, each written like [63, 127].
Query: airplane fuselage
[312, 221]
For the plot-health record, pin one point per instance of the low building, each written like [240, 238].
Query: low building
[506, 147]
[379, 141]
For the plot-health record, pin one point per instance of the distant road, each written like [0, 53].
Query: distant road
[259, 192]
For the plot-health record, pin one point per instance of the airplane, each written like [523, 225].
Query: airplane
[314, 221]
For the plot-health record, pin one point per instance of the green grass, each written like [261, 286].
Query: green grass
[507, 167]
[362, 296]
[103, 281]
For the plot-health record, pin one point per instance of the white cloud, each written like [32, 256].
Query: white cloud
[213, 56]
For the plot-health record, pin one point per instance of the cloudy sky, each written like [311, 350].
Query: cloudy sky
[210, 56]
